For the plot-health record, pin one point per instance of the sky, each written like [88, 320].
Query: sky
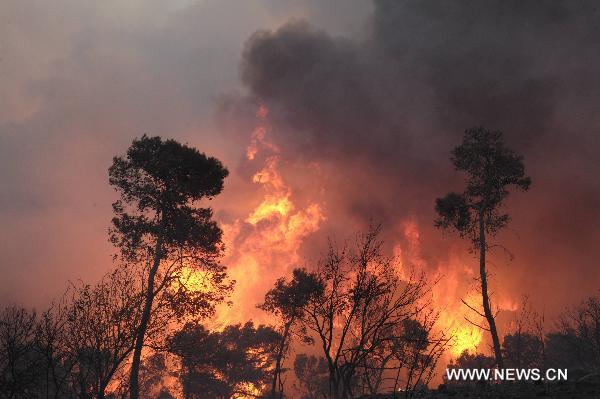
[365, 99]
[80, 80]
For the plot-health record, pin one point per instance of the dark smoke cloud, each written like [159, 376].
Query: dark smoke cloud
[377, 97]
[387, 107]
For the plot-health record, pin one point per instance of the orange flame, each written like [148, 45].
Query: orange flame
[266, 244]
[447, 293]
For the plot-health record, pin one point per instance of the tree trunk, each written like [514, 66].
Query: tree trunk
[277, 372]
[334, 384]
[487, 311]
[139, 339]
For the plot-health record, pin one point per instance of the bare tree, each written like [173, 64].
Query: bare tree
[373, 369]
[363, 298]
[417, 351]
[408, 359]
[18, 360]
[100, 330]
[74, 348]
[51, 345]
[576, 342]
[524, 346]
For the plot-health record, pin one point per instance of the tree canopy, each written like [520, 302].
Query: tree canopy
[158, 221]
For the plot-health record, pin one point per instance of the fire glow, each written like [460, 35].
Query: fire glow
[446, 292]
[265, 245]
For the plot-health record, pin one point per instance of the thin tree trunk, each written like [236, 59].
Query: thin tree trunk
[487, 311]
[139, 339]
[277, 372]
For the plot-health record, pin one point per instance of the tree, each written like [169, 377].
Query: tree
[412, 350]
[312, 375]
[524, 347]
[56, 356]
[363, 298]
[155, 372]
[232, 363]
[159, 225]
[417, 350]
[576, 342]
[19, 365]
[100, 329]
[523, 350]
[73, 349]
[491, 169]
[287, 301]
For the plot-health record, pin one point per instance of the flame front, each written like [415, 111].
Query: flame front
[266, 244]
[447, 293]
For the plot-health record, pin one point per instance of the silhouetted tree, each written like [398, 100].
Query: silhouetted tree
[51, 346]
[155, 371]
[523, 350]
[371, 371]
[491, 168]
[524, 347]
[231, 363]
[576, 342]
[73, 349]
[411, 351]
[99, 330]
[417, 350]
[159, 225]
[19, 363]
[287, 301]
[405, 342]
[363, 298]
[313, 376]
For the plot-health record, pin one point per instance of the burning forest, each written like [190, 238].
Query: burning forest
[349, 199]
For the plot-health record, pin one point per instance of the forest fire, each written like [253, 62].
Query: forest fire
[333, 200]
[429, 310]
[274, 231]
[446, 293]
[265, 245]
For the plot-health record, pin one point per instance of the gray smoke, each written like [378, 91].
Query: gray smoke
[387, 107]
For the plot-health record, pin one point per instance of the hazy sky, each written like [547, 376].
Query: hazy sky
[79, 80]
[376, 94]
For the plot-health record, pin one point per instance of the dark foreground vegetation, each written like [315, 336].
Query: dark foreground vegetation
[352, 325]
[78, 350]
[567, 390]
